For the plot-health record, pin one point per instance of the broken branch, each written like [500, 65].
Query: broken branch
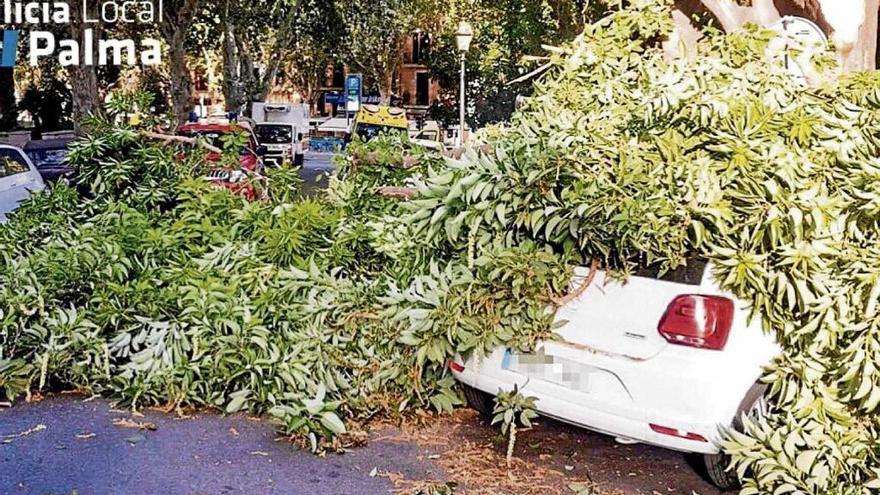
[562, 301]
[181, 139]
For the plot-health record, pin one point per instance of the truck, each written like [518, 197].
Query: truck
[281, 128]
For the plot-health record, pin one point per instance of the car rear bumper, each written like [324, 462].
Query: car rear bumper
[660, 401]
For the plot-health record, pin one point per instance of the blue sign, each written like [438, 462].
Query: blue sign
[353, 92]
[9, 49]
[334, 97]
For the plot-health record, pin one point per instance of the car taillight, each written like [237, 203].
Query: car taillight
[456, 367]
[698, 321]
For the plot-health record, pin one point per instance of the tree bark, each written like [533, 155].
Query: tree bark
[868, 35]
[177, 19]
[84, 90]
[231, 79]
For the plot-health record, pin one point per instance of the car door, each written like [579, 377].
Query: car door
[18, 178]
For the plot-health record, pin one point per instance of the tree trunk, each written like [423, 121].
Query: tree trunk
[386, 87]
[231, 64]
[174, 30]
[8, 109]
[181, 80]
[868, 35]
[84, 90]
[851, 25]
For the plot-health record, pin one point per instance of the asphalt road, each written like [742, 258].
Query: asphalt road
[81, 451]
[316, 169]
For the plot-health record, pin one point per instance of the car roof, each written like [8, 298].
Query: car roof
[45, 144]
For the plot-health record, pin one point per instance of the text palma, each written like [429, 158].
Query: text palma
[92, 51]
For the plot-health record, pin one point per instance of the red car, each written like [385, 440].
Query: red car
[250, 157]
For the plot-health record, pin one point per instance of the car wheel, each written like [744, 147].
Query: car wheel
[479, 400]
[716, 464]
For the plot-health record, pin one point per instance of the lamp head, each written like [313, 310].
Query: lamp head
[464, 35]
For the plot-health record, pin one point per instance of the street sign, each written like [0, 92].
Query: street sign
[334, 97]
[353, 92]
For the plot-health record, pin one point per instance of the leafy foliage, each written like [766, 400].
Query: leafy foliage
[628, 157]
[512, 410]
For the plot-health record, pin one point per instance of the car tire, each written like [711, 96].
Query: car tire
[479, 400]
[716, 464]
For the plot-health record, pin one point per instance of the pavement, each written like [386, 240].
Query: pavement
[79, 450]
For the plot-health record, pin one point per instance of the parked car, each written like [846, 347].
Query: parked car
[18, 179]
[428, 136]
[661, 360]
[49, 155]
[251, 155]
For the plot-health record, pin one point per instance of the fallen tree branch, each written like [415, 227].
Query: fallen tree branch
[531, 74]
[562, 301]
[181, 139]
[397, 192]
[363, 315]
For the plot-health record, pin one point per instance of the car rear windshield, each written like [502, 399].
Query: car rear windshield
[691, 273]
[275, 134]
[12, 163]
[48, 157]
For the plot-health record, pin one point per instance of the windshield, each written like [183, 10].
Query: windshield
[275, 134]
[214, 138]
[12, 163]
[369, 131]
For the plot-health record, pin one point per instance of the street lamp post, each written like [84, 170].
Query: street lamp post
[463, 38]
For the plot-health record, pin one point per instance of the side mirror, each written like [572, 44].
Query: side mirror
[261, 150]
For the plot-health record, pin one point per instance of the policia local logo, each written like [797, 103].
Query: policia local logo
[88, 50]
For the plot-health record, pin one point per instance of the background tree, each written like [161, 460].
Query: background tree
[175, 28]
[375, 31]
[320, 35]
[257, 37]
[506, 32]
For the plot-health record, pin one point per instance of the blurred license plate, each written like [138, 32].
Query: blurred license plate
[549, 368]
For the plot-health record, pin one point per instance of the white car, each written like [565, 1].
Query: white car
[664, 361]
[18, 179]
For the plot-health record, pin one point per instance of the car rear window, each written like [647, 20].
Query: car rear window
[691, 273]
[12, 163]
